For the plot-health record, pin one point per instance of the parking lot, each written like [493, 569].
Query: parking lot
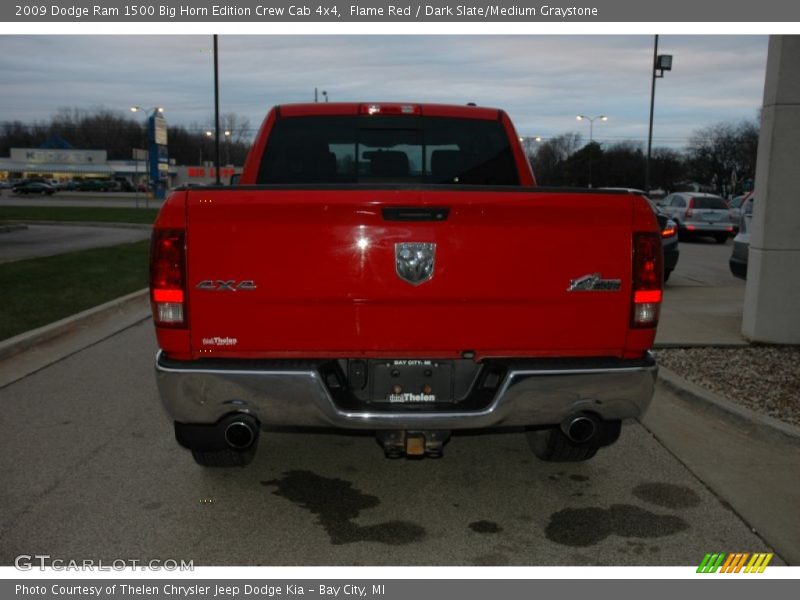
[90, 469]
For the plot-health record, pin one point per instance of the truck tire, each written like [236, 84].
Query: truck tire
[226, 457]
[553, 446]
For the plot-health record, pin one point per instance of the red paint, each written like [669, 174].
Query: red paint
[323, 261]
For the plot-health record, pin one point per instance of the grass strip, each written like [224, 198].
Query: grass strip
[43, 290]
[78, 213]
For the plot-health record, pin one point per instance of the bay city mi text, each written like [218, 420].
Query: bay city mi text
[352, 11]
[188, 591]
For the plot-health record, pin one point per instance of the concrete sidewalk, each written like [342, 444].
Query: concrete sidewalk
[746, 459]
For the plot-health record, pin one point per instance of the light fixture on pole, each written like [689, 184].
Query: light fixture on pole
[526, 140]
[661, 63]
[591, 123]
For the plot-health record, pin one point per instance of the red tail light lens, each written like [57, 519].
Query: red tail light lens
[168, 277]
[648, 276]
[688, 212]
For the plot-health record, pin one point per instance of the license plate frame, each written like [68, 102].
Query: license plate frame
[411, 381]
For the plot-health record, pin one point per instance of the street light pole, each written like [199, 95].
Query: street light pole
[227, 133]
[216, 111]
[660, 63]
[591, 136]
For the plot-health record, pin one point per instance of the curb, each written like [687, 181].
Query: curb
[668, 345]
[28, 339]
[697, 395]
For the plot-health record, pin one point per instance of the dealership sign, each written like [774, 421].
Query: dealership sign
[58, 156]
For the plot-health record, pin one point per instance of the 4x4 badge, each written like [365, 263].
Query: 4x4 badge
[226, 285]
[414, 261]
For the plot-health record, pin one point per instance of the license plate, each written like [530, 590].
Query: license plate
[411, 381]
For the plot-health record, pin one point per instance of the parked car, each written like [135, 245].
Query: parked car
[97, 185]
[669, 242]
[741, 243]
[669, 230]
[697, 213]
[735, 208]
[34, 187]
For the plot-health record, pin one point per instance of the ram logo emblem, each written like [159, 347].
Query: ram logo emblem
[414, 261]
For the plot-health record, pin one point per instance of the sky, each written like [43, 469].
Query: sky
[542, 81]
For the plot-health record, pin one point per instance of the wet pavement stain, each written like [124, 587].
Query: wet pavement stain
[336, 503]
[588, 526]
[485, 527]
[667, 495]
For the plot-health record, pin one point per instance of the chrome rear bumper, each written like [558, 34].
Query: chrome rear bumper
[295, 395]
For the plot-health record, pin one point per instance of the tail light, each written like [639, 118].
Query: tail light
[168, 277]
[648, 275]
[688, 212]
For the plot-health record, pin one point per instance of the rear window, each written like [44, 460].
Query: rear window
[387, 149]
[709, 202]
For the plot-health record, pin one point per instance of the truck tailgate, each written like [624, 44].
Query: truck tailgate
[276, 272]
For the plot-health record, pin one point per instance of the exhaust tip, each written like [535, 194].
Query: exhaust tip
[580, 429]
[240, 435]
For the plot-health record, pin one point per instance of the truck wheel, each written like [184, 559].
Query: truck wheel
[552, 445]
[226, 457]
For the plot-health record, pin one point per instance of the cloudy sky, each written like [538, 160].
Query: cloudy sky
[542, 81]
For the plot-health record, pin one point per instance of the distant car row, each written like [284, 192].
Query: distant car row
[48, 187]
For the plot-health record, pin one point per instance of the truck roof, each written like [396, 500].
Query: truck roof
[354, 108]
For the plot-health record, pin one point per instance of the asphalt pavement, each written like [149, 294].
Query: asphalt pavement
[90, 469]
[703, 302]
[37, 240]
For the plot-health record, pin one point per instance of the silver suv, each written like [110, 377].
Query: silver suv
[699, 214]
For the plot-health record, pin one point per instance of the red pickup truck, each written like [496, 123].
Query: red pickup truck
[395, 268]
